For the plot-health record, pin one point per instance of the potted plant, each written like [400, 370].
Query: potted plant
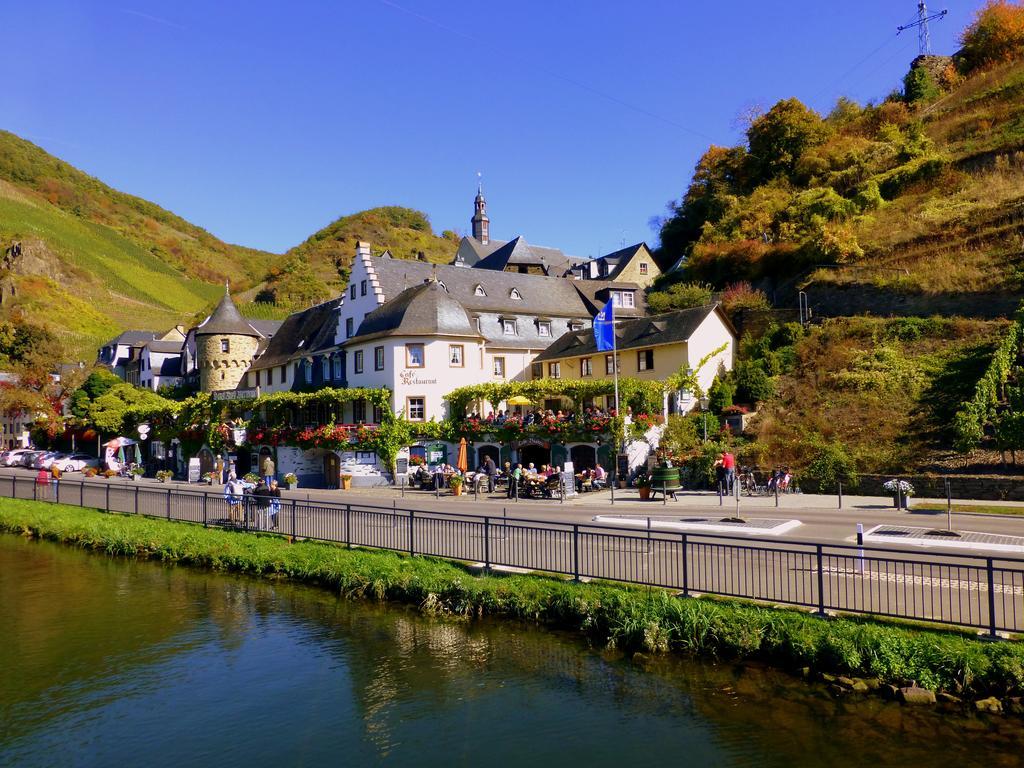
[109, 473]
[90, 472]
[456, 484]
[208, 478]
[901, 492]
[292, 481]
[136, 472]
[346, 482]
[164, 475]
[252, 477]
[643, 484]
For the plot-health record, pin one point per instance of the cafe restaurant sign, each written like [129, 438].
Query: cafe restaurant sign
[409, 379]
[235, 394]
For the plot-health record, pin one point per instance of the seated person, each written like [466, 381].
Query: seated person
[600, 477]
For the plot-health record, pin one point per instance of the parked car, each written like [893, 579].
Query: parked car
[76, 462]
[45, 458]
[28, 458]
[13, 458]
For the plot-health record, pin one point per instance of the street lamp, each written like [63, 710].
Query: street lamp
[704, 416]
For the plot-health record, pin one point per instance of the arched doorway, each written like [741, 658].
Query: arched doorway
[206, 461]
[265, 454]
[559, 454]
[332, 469]
[488, 450]
[537, 453]
[583, 457]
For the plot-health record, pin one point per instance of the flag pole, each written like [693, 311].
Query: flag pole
[615, 372]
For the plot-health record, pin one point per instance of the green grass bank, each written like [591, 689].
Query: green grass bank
[630, 618]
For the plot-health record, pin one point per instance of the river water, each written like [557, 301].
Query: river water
[109, 662]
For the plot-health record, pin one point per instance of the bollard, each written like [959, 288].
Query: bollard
[899, 497]
[840, 495]
[776, 493]
[949, 507]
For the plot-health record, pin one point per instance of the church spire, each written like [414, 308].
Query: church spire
[481, 224]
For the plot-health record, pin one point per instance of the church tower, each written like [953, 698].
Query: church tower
[225, 347]
[481, 224]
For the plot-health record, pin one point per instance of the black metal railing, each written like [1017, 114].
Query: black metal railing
[986, 592]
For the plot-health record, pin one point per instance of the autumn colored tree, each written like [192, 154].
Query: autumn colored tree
[779, 137]
[996, 35]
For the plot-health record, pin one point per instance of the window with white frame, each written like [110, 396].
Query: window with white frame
[499, 367]
[543, 327]
[414, 356]
[643, 267]
[337, 366]
[508, 327]
[586, 366]
[352, 291]
[357, 361]
[225, 345]
[645, 360]
[479, 291]
[359, 411]
[325, 368]
[378, 358]
[455, 353]
[362, 288]
[628, 300]
[555, 370]
[609, 365]
[350, 327]
[416, 408]
[575, 326]
[515, 295]
[537, 370]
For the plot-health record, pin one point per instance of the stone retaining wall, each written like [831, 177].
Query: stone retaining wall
[984, 487]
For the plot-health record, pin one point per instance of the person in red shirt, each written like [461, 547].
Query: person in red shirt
[729, 465]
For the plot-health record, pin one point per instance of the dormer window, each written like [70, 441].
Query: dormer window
[515, 295]
[508, 327]
[479, 291]
[544, 328]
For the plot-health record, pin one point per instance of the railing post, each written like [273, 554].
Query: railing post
[487, 544]
[136, 499]
[821, 581]
[348, 526]
[991, 598]
[81, 493]
[686, 569]
[56, 489]
[35, 490]
[168, 501]
[294, 529]
[106, 506]
[412, 541]
[576, 552]
[206, 498]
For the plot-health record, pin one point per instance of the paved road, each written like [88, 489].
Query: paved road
[561, 538]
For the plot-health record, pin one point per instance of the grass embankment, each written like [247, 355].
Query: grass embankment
[626, 617]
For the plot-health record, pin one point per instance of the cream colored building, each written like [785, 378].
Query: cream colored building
[652, 348]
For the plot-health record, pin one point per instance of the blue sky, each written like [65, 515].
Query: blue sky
[262, 122]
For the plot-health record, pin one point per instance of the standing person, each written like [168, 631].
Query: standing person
[513, 480]
[729, 465]
[233, 493]
[269, 471]
[262, 498]
[490, 469]
[218, 470]
[275, 504]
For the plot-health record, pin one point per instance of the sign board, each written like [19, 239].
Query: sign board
[238, 434]
[569, 483]
[193, 470]
[401, 466]
[235, 394]
[436, 457]
[569, 467]
[621, 466]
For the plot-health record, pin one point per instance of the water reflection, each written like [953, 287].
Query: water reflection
[105, 659]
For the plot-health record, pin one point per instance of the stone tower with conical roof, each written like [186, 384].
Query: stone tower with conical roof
[225, 347]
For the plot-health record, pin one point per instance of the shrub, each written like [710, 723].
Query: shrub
[831, 465]
[920, 86]
[681, 434]
[721, 394]
[753, 384]
[742, 295]
[679, 296]
[996, 35]
[869, 196]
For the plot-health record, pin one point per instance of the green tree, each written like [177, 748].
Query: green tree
[997, 34]
[721, 394]
[920, 86]
[753, 384]
[779, 137]
[679, 296]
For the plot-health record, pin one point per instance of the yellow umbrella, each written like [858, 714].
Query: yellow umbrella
[519, 400]
[463, 461]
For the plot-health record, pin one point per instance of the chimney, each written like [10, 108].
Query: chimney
[362, 249]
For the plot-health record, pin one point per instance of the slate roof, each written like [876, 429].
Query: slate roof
[596, 293]
[131, 338]
[302, 333]
[426, 309]
[164, 347]
[472, 250]
[518, 252]
[170, 367]
[266, 327]
[541, 295]
[633, 334]
[226, 319]
[619, 259]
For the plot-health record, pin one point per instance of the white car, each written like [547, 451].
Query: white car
[13, 458]
[27, 459]
[76, 462]
[45, 459]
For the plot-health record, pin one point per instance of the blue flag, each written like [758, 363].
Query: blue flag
[604, 328]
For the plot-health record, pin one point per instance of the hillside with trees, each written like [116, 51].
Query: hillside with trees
[902, 223]
[319, 267]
